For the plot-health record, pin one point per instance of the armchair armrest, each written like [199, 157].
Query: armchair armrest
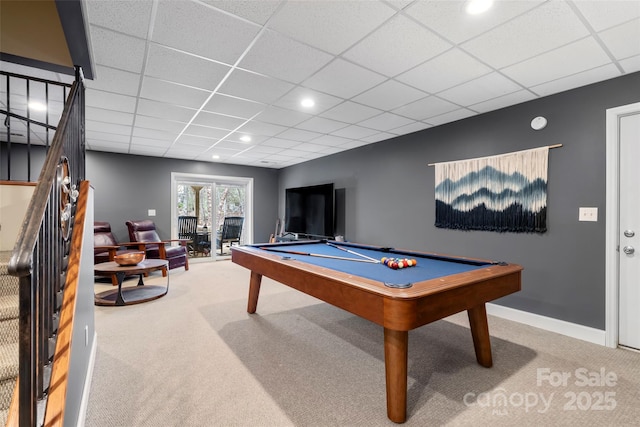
[112, 249]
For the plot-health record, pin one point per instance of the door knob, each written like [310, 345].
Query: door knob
[628, 250]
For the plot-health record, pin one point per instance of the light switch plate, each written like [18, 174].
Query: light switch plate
[152, 212]
[588, 214]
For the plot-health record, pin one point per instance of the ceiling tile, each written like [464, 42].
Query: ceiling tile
[343, 79]
[109, 146]
[594, 75]
[254, 87]
[293, 99]
[447, 70]
[94, 135]
[159, 124]
[113, 80]
[193, 140]
[631, 65]
[330, 140]
[109, 127]
[272, 53]
[397, 46]
[481, 89]
[266, 149]
[232, 106]
[615, 12]
[231, 145]
[146, 150]
[449, 19]
[184, 151]
[503, 101]
[207, 132]
[160, 135]
[332, 26]
[301, 135]
[547, 27]
[129, 17]
[570, 59]
[108, 47]
[280, 143]
[410, 128]
[426, 107]
[309, 147]
[389, 95]
[351, 112]
[378, 137]
[385, 121]
[255, 139]
[620, 40]
[260, 128]
[217, 120]
[255, 11]
[321, 125]
[151, 142]
[282, 116]
[197, 28]
[110, 116]
[354, 132]
[109, 101]
[160, 90]
[452, 116]
[163, 110]
[179, 67]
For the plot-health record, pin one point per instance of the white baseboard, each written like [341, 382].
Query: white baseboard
[572, 330]
[87, 382]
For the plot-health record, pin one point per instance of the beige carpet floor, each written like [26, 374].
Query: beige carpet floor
[196, 358]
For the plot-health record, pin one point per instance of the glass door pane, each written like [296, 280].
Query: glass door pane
[230, 202]
[193, 198]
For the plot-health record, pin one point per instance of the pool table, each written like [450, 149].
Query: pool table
[345, 275]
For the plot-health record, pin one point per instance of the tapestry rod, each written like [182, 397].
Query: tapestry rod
[550, 147]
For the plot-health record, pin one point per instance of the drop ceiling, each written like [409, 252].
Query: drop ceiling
[189, 79]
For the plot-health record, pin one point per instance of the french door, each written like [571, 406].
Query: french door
[210, 199]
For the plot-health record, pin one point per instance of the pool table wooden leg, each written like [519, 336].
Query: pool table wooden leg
[254, 291]
[480, 333]
[395, 363]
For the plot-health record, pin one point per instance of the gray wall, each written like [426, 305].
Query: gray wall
[127, 186]
[389, 195]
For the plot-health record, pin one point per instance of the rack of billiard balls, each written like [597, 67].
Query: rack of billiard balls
[397, 263]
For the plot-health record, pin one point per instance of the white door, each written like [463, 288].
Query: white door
[629, 260]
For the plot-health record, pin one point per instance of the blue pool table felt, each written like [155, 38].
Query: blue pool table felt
[427, 268]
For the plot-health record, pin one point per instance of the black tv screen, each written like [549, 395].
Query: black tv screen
[310, 210]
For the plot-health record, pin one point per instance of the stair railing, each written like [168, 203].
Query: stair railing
[41, 255]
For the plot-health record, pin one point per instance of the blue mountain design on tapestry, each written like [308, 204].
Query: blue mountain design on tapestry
[492, 200]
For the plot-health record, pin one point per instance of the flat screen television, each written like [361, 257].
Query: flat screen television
[310, 210]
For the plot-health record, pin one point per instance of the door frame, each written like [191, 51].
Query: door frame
[612, 250]
[247, 231]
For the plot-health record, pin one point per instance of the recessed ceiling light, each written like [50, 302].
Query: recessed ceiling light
[215, 156]
[37, 106]
[245, 138]
[475, 7]
[307, 103]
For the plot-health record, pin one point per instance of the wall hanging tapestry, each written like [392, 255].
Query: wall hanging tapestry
[499, 193]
